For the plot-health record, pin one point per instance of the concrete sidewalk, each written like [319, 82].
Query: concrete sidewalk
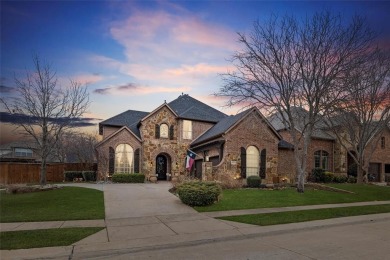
[217, 214]
[146, 216]
[137, 235]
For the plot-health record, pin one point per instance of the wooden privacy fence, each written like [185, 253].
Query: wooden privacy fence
[17, 173]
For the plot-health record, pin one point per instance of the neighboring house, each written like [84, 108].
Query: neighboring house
[19, 151]
[327, 153]
[156, 144]
[24, 151]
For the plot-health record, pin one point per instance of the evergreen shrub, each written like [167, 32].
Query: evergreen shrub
[199, 193]
[253, 181]
[128, 177]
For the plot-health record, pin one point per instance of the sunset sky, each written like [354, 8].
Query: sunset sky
[136, 54]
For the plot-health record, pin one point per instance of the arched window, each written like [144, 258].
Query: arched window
[124, 159]
[263, 163]
[321, 159]
[164, 131]
[252, 161]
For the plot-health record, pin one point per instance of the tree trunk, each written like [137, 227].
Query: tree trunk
[43, 172]
[301, 181]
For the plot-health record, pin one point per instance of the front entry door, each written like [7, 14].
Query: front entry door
[161, 167]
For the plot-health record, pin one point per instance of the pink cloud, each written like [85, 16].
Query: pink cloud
[131, 89]
[198, 69]
[88, 78]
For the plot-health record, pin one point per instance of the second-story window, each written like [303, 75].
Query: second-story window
[187, 129]
[23, 152]
[383, 142]
[164, 131]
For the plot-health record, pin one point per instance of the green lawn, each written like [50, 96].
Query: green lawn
[307, 215]
[262, 198]
[44, 237]
[68, 203]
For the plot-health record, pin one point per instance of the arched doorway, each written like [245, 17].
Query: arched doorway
[163, 166]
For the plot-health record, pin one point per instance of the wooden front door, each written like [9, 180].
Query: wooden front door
[161, 167]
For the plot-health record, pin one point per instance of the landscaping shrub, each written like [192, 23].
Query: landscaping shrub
[317, 175]
[351, 179]
[340, 179]
[85, 175]
[89, 175]
[128, 177]
[328, 177]
[253, 181]
[198, 193]
[70, 175]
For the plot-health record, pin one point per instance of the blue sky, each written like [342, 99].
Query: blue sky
[136, 54]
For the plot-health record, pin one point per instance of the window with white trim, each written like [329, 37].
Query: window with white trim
[23, 152]
[164, 131]
[187, 129]
[252, 161]
[321, 159]
[124, 159]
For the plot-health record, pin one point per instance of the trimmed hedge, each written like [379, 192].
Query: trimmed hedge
[320, 175]
[253, 181]
[85, 175]
[198, 193]
[70, 175]
[128, 177]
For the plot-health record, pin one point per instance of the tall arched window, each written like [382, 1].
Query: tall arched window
[124, 158]
[321, 159]
[252, 161]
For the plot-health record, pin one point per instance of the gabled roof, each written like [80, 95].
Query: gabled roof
[300, 116]
[187, 107]
[130, 119]
[124, 128]
[225, 124]
[154, 111]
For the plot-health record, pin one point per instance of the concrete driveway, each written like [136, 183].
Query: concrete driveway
[141, 200]
[137, 200]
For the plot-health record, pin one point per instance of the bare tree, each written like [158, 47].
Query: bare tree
[76, 147]
[47, 108]
[359, 121]
[287, 64]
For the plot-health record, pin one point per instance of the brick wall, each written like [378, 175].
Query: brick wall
[252, 130]
[286, 165]
[315, 145]
[108, 130]
[381, 155]
[121, 137]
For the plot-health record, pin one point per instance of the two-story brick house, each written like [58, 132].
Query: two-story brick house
[156, 144]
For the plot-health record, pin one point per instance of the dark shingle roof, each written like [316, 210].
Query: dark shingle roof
[221, 127]
[190, 108]
[283, 144]
[300, 116]
[130, 118]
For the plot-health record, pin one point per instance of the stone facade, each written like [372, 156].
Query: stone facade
[220, 155]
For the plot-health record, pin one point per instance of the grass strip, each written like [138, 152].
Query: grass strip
[236, 199]
[44, 237]
[276, 218]
[68, 203]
